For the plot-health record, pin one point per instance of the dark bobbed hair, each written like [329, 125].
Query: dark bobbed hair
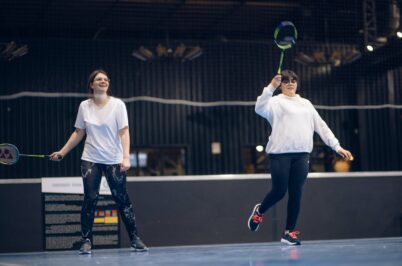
[91, 79]
[288, 74]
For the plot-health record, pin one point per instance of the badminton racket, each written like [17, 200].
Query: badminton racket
[285, 37]
[9, 154]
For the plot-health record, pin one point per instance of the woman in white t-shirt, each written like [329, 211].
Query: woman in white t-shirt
[293, 120]
[103, 119]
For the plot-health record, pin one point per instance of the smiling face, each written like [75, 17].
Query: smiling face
[100, 83]
[289, 83]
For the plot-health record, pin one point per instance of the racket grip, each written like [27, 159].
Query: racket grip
[59, 157]
[280, 62]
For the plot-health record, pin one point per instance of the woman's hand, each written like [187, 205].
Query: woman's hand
[125, 165]
[56, 156]
[347, 155]
[276, 81]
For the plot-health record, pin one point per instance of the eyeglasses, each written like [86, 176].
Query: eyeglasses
[287, 81]
[102, 79]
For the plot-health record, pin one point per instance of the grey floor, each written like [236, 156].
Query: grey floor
[379, 251]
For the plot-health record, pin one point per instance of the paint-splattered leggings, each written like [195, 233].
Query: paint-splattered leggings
[92, 175]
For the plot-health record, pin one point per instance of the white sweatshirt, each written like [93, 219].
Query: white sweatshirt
[293, 121]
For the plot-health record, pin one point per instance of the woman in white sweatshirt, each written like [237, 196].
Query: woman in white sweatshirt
[293, 120]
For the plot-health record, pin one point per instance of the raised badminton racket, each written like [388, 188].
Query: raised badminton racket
[285, 37]
[9, 154]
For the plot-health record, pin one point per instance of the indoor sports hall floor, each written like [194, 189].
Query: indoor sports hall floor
[378, 251]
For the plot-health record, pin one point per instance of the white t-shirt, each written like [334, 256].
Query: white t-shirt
[294, 121]
[102, 126]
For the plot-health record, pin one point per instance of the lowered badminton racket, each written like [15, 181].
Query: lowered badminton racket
[9, 154]
[285, 37]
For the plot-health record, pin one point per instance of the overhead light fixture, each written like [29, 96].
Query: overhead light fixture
[259, 148]
[381, 40]
[143, 54]
[335, 58]
[139, 56]
[319, 57]
[351, 56]
[192, 54]
[23, 50]
[146, 53]
[369, 47]
[161, 51]
[180, 53]
[11, 50]
[304, 59]
[399, 34]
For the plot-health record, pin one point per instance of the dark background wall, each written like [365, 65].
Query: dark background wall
[227, 71]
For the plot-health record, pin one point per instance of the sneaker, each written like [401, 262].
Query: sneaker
[291, 238]
[138, 245]
[255, 219]
[86, 246]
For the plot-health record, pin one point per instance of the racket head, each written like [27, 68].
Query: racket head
[285, 35]
[9, 154]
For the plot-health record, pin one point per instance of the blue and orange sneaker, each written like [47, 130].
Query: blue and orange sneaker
[291, 238]
[255, 218]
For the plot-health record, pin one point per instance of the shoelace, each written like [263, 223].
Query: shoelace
[293, 234]
[257, 218]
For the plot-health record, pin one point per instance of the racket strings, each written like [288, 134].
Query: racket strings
[8, 154]
[285, 37]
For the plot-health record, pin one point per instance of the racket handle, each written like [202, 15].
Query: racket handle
[280, 62]
[59, 157]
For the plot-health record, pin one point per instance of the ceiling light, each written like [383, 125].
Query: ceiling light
[336, 58]
[161, 52]
[12, 50]
[370, 48]
[259, 148]
[319, 57]
[10, 47]
[193, 53]
[399, 34]
[351, 56]
[382, 40]
[137, 55]
[304, 59]
[146, 53]
[179, 52]
[23, 50]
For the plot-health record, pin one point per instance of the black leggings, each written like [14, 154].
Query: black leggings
[289, 172]
[91, 176]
